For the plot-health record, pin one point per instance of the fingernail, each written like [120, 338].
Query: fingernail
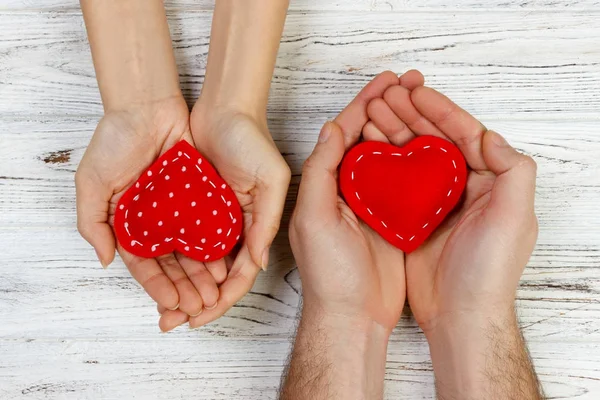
[498, 139]
[104, 265]
[195, 315]
[325, 132]
[265, 259]
[174, 308]
[213, 306]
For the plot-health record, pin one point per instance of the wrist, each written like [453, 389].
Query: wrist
[363, 329]
[222, 102]
[153, 118]
[464, 345]
[348, 355]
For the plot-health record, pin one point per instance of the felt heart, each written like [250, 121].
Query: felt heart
[179, 203]
[403, 193]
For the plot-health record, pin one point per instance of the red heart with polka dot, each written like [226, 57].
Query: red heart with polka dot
[403, 193]
[179, 203]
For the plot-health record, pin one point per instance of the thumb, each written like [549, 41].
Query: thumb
[514, 188]
[318, 187]
[269, 201]
[92, 218]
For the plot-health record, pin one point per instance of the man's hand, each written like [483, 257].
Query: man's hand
[352, 280]
[462, 281]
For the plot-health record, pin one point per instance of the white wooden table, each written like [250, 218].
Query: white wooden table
[70, 330]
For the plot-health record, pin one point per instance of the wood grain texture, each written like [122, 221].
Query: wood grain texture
[168, 368]
[70, 330]
[344, 5]
[503, 65]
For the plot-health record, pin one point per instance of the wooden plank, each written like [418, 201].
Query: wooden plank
[169, 368]
[343, 5]
[60, 291]
[39, 157]
[504, 65]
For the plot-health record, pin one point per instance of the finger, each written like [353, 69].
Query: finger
[514, 188]
[92, 216]
[170, 320]
[218, 269]
[160, 309]
[457, 124]
[202, 280]
[396, 131]
[318, 187]
[412, 79]
[399, 100]
[352, 118]
[238, 283]
[152, 278]
[268, 203]
[190, 301]
[372, 133]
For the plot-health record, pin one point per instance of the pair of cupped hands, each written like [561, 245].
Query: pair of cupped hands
[469, 267]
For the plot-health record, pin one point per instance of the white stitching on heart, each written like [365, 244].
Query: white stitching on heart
[155, 204]
[399, 155]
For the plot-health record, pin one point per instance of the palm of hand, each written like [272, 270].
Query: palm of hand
[345, 266]
[124, 145]
[380, 285]
[242, 150]
[439, 273]
[475, 258]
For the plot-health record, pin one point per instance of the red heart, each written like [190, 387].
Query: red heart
[179, 203]
[403, 193]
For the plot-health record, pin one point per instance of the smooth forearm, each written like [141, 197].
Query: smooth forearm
[476, 357]
[132, 52]
[243, 47]
[336, 357]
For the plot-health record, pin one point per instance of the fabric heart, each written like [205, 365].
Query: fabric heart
[403, 193]
[179, 203]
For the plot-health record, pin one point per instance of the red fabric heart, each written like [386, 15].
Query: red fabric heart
[179, 203]
[403, 193]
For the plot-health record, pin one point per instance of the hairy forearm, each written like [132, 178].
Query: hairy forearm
[132, 52]
[336, 357]
[477, 357]
[243, 47]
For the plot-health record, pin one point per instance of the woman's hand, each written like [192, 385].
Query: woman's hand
[242, 150]
[125, 143]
